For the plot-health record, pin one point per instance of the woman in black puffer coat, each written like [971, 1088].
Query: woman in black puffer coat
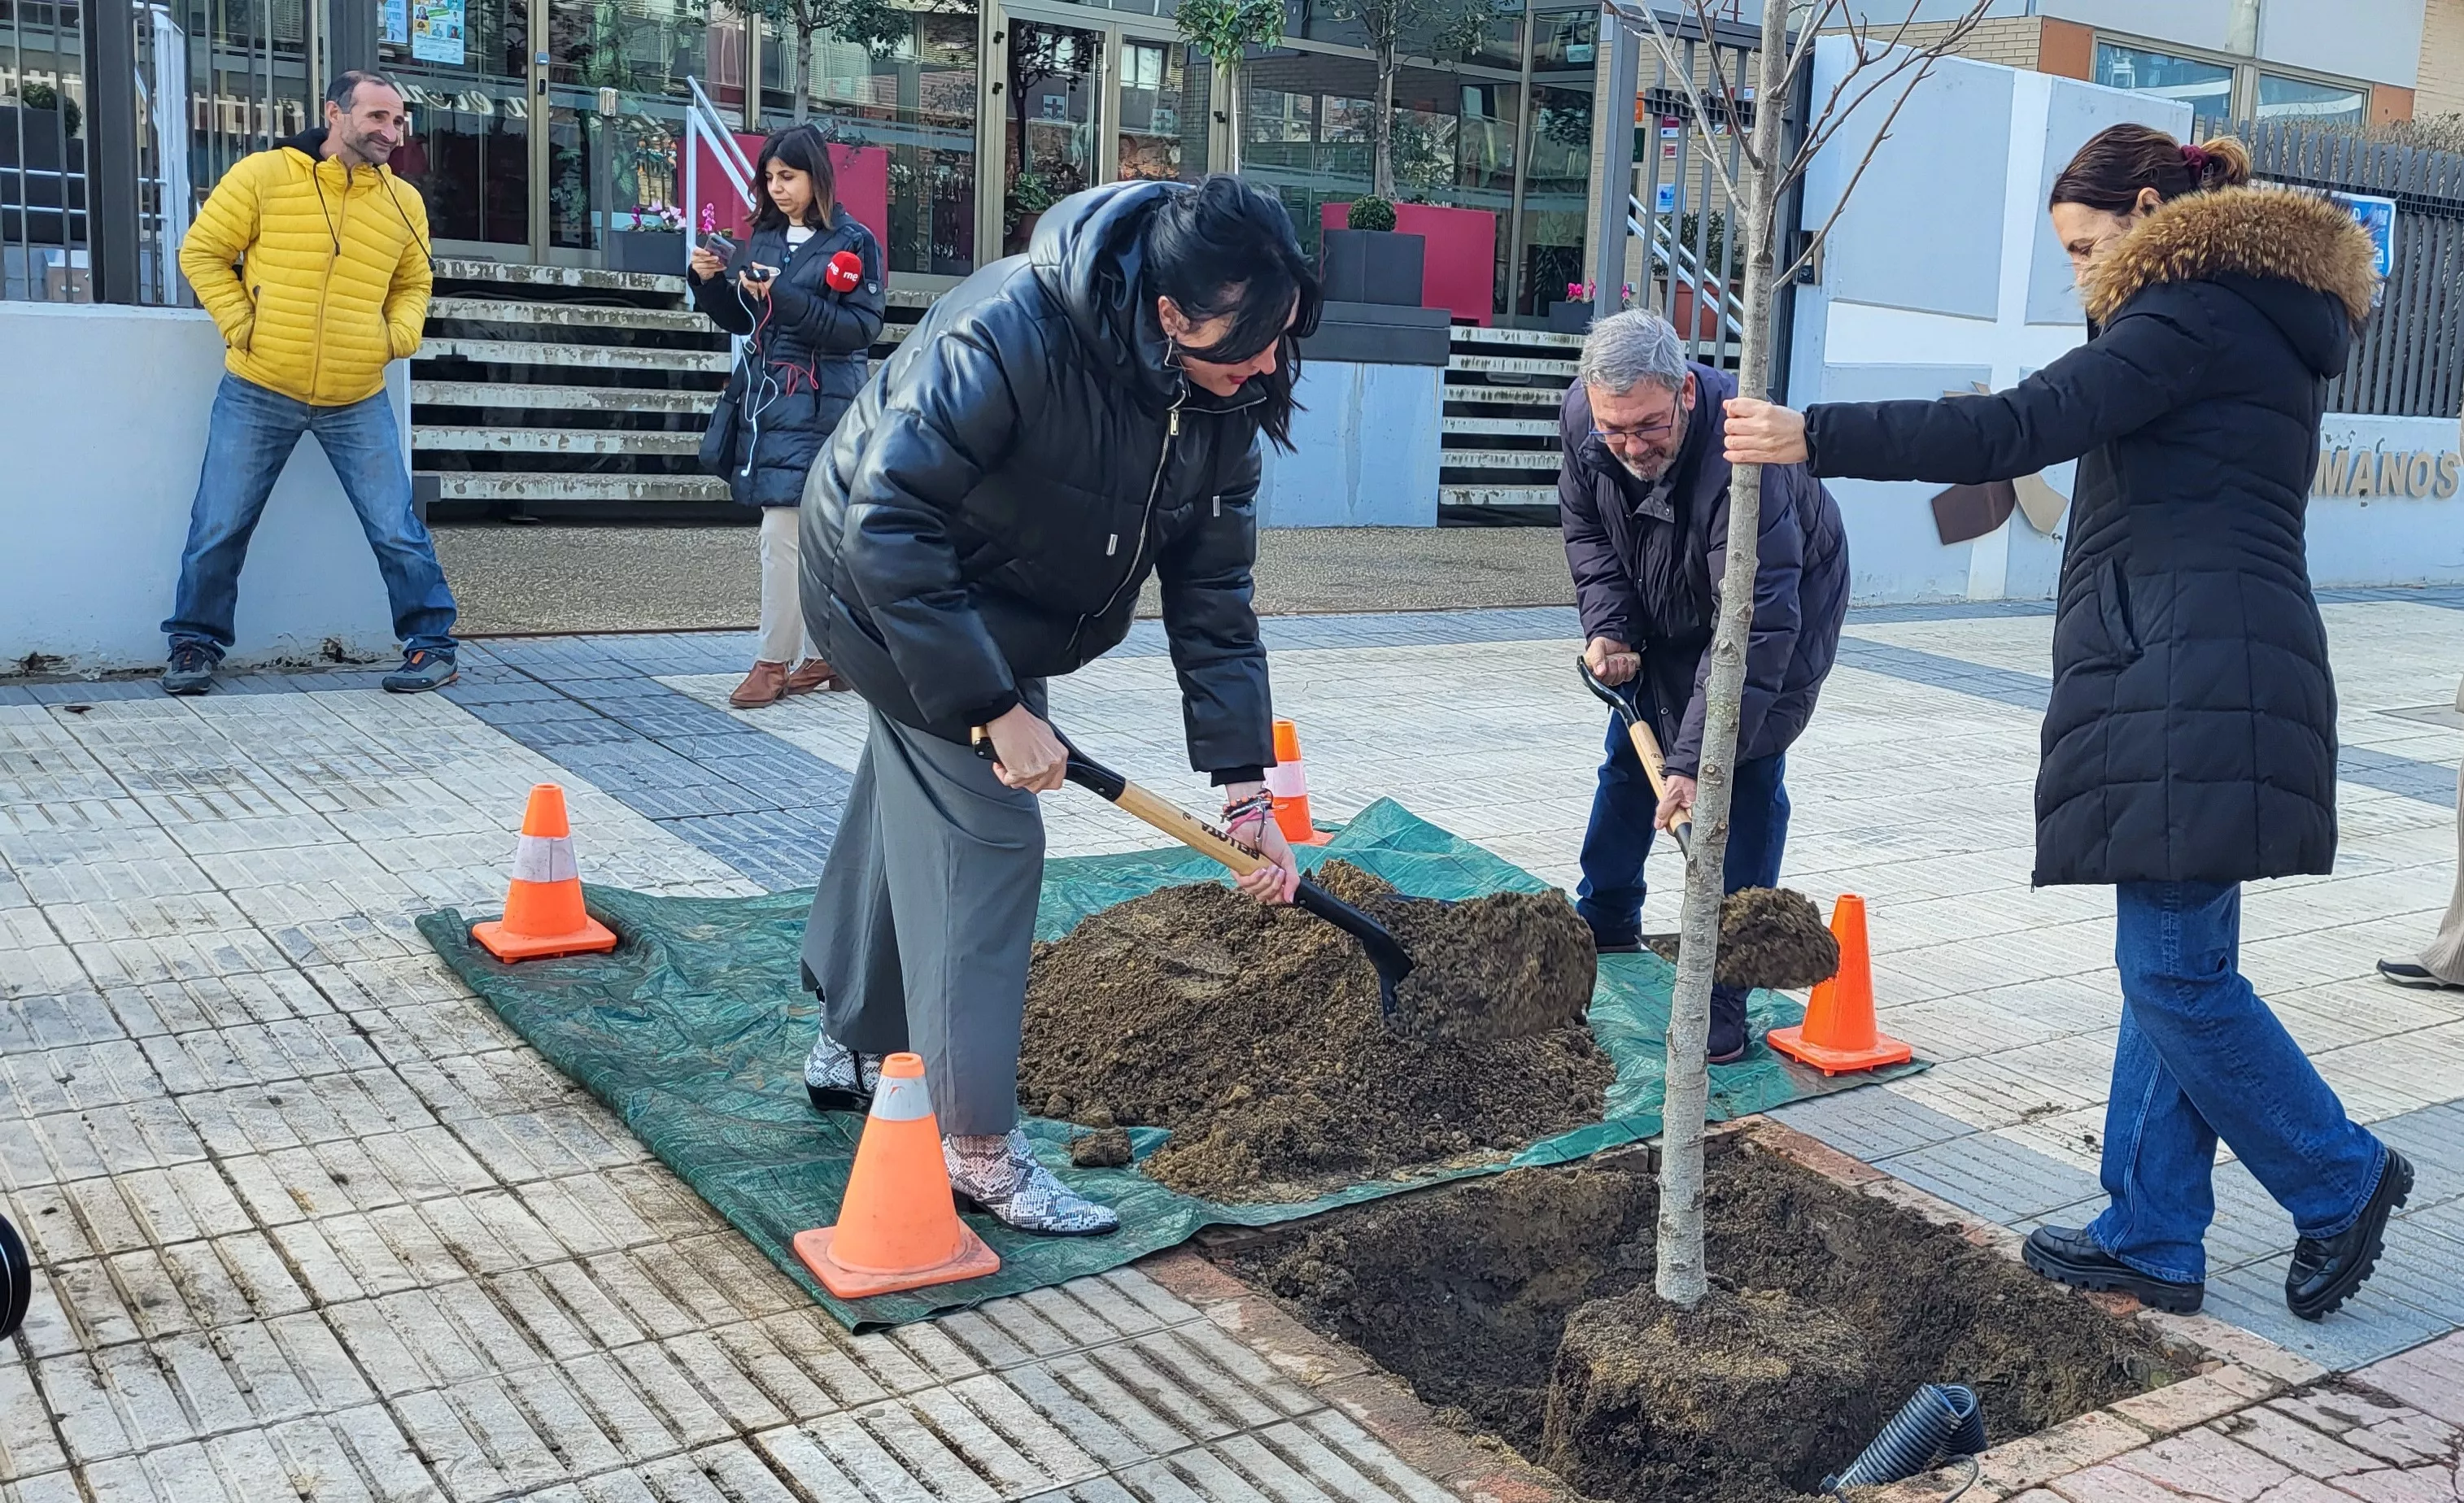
[805, 290]
[2190, 745]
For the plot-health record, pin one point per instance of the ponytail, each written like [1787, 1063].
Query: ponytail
[2120, 161]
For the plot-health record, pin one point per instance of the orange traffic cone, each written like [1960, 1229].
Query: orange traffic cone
[543, 913]
[898, 1227]
[1838, 1035]
[1289, 781]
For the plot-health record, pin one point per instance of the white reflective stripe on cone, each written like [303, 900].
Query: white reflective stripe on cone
[1286, 780]
[545, 857]
[901, 1099]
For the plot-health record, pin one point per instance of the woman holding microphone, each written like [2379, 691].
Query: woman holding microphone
[2190, 745]
[805, 293]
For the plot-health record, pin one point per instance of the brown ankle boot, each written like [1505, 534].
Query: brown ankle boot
[814, 673]
[765, 685]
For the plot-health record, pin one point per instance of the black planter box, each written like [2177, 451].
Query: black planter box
[1371, 266]
[659, 251]
[1570, 317]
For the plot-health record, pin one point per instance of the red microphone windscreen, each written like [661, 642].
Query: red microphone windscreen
[845, 270]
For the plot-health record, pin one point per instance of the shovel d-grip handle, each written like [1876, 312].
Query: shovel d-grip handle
[1647, 746]
[1385, 951]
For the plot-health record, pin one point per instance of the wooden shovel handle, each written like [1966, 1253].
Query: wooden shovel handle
[1188, 828]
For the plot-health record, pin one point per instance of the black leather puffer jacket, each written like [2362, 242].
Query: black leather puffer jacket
[986, 511]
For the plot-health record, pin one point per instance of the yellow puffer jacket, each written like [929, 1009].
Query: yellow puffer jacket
[331, 278]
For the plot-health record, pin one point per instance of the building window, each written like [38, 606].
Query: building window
[2206, 87]
[2281, 97]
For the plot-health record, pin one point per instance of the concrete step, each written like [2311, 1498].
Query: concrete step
[1499, 459]
[462, 268]
[1462, 334]
[1511, 366]
[571, 316]
[1460, 392]
[471, 485]
[1497, 495]
[1502, 427]
[553, 441]
[558, 398]
[585, 357]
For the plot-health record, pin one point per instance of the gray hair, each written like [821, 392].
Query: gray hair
[1635, 345]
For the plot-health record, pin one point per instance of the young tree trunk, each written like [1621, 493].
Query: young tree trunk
[1229, 74]
[803, 65]
[1682, 1278]
[1381, 129]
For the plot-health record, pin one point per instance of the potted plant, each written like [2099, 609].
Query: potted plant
[1029, 196]
[1574, 314]
[1363, 260]
[656, 242]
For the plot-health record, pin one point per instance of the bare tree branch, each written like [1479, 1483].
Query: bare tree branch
[1833, 115]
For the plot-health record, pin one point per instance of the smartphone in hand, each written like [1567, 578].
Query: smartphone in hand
[717, 244]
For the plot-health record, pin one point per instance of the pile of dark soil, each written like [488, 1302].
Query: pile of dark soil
[1769, 937]
[1521, 1305]
[1255, 1034]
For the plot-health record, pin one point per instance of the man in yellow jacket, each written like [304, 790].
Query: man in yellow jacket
[314, 260]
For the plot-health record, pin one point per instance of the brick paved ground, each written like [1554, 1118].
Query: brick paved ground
[313, 1223]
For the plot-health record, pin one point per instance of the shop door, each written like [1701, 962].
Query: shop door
[1083, 105]
[469, 73]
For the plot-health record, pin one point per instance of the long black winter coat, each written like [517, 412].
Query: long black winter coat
[992, 503]
[2191, 734]
[1648, 566]
[803, 364]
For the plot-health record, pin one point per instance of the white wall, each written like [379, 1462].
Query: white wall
[1366, 450]
[102, 421]
[2388, 507]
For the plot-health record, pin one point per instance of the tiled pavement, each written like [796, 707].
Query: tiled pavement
[313, 1223]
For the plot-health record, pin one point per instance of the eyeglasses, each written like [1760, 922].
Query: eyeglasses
[1643, 433]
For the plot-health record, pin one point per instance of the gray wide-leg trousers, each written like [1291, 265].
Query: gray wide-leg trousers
[921, 931]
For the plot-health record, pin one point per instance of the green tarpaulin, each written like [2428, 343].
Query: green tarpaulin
[694, 1031]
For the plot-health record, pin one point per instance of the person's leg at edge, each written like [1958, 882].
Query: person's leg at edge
[2442, 964]
[1759, 812]
[2239, 1077]
[1618, 842]
[364, 446]
[964, 858]
[851, 958]
[249, 439]
[782, 629]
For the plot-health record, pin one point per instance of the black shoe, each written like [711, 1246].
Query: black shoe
[192, 671]
[1729, 1037]
[2406, 974]
[1629, 944]
[2325, 1271]
[2069, 1255]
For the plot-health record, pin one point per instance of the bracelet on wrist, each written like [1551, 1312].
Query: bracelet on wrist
[1240, 810]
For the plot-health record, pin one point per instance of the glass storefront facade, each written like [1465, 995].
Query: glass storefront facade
[552, 130]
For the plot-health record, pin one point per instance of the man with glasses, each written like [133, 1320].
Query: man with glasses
[1643, 500]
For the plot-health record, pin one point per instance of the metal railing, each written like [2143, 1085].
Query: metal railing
[1681, 268]
[703, 122]
[2409, 360]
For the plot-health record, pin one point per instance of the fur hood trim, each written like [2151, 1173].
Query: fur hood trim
[2257, 231]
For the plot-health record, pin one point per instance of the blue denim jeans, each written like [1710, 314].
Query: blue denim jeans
[1610, 897]
[2201, 1057]
[250, 439]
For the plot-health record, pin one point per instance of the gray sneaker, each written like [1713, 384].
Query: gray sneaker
[421, 670]
[839, 1080]
[192, 671]
[1001, 1177]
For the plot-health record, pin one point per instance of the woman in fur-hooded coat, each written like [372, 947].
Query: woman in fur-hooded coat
[2192, 731]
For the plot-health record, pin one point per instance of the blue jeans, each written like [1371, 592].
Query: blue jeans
[248, 442]
[2200, 1057]
[1610, 898]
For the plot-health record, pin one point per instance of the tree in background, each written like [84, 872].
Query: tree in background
[1222, 32]
[1884, 71]
[874, 25]
[1385, 24]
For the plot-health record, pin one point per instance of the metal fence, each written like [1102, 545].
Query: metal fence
[43, 219]
[2409, 359]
